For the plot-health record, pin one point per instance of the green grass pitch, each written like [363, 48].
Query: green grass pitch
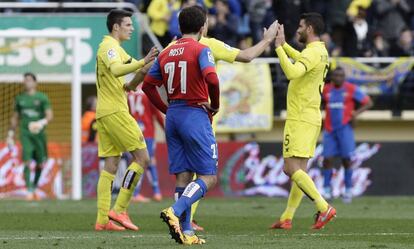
[369, 222]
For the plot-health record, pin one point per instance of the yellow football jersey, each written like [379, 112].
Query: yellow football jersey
[221, 51]
[111, 95]
[306, 80]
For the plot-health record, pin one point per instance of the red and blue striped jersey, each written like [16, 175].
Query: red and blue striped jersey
[339, 104]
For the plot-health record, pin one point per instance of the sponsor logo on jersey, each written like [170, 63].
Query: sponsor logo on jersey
[111, 53]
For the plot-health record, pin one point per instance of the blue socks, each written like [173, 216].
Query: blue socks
[194, 191]
[186, 216]
[348, 178]
[327, 177]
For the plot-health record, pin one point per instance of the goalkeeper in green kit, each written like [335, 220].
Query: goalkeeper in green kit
[32, 112]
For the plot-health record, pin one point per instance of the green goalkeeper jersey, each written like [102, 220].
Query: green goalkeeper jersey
[31, 108]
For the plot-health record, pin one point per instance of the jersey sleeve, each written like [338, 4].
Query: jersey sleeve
[110, 55]
[222, 51]
[46, 102]
[154, 75]
[309, 58]
[16, 104]
[206, 61]
[360, 96]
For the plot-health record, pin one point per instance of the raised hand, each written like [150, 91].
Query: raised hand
[280, 37]
[152, 54]
[269, 34]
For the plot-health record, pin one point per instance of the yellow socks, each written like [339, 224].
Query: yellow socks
[104, 190]
[132, 175]
[308, 187]
[295, 197]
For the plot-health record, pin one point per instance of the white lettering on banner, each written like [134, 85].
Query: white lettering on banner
[238, 120]
[191, 189]
[266, 177]
[48, 52]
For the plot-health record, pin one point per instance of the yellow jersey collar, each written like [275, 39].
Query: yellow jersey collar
[111, 39]
[315, 44]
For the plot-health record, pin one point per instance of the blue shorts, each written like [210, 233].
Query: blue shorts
[150, 146]
[191, 143]
[339, 142]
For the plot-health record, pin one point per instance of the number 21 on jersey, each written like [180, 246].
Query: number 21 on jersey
[169, 68]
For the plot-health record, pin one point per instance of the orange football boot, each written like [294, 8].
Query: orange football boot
[322, 219]
[123, 219]
[285, 224]
[110, 226]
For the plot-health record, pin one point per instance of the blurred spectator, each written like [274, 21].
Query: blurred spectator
[89, 130]
[404, 46]
[354, 6]
[333, 50]
[257, 10]
[224, 25]
[160, 11]
[391, 16]
[288, 13]
[380, 47]
[357, 33]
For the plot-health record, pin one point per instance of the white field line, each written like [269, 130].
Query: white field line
[210, 235]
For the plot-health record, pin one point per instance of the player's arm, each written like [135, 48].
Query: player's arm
[248, 54]
[364, 100]
[208, 70]
[151, 81]
[138, 78]
[12, 130]
[118, 68]
[36, 126]
[291, 52]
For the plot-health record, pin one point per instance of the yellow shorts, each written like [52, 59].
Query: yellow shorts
[300, 139]
[118, 132]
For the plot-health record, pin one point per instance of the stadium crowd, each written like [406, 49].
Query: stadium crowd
[354, 28]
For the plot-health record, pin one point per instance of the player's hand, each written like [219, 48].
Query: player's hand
[280, 37]
[10, 139]
[152, 54]
[36, 126]
[269, 34]
[206, 106]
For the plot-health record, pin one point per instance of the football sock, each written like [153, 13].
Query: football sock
[348, 178]
[195, 204]
[185, 221]
[154, 179]
[26, 172]
[38, 172]
[295, 197]
[132, 175]
[194, 191]
[308, 187]
[327, 177]
[104, 190]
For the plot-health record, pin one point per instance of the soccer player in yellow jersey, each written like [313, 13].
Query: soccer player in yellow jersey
[118, 131]
[223, 52]
[303, 122]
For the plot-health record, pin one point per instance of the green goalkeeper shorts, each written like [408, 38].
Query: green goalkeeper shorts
[34, 147]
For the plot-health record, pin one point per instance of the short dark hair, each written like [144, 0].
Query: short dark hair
[30, 74]
[116, 16]
[191, 19]
[315, 20]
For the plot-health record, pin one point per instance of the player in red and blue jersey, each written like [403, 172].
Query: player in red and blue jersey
[187, 71]
[145, 114]
[338, 135]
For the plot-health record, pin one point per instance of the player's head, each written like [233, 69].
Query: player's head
[30, 81]
[119, 23]
[310, 25]
[201, 8]
[192, 21]
[338, 76]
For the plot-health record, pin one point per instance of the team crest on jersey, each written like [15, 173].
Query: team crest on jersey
[210, 57]
[111, 53]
